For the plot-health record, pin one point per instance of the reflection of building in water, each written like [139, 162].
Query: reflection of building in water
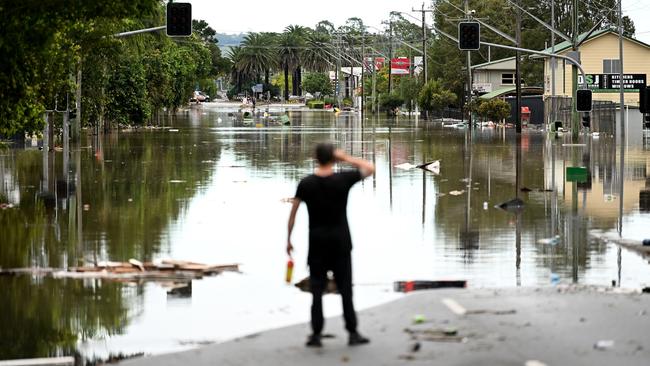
[9, 190]
[599, 195]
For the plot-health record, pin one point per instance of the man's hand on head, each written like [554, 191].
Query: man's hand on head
[339, 155]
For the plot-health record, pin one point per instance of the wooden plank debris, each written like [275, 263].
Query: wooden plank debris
[53, 361]
[133, 270]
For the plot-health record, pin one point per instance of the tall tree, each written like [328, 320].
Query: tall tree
[297, 35]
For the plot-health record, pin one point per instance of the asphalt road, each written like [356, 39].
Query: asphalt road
[531, 327]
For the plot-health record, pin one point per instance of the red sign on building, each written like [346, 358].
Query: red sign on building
[378, 61]
[400, 66]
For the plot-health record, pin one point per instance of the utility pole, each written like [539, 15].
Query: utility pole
[469, 72]
[338, 68]
[553, 63]
[518, 71]
[575, 118]
[374, 86]
[363, 67]
[424, 41]
[76, 124]
[390, 55]
[623, 127]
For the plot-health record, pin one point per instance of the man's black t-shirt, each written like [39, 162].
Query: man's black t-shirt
[326, 199]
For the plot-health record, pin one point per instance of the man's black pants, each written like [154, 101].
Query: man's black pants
[341, 267]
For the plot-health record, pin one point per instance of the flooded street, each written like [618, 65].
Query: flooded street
[213, 190]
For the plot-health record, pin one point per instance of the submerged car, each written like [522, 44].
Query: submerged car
[199, 96]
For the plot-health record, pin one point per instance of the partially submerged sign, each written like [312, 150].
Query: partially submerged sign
[576, 174]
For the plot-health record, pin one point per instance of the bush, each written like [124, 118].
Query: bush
[433, 97]
[390, 102]
[317, 83]
[347, 102]
[495, 110]
[329, 100]
[316, 104]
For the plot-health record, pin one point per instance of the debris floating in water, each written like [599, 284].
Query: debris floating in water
[550, 241]
[457, 193]
[133, 270]
[406, 166]
[514, 205]
[432, 166]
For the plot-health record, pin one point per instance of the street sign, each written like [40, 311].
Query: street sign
[609, 83]
[576, 174]
[400, 66]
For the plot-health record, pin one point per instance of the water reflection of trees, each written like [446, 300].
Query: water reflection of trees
[125, 181]
[47, 317]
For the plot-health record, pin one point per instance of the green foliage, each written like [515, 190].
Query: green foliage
[42, 44]
[409, 90]
[389, 102]
[347, 102]
[329, 100]
[317, 83]
[124, 80]
[495, 110]
[316, 104]
[434, 97]
[446, 62]
[126, 93]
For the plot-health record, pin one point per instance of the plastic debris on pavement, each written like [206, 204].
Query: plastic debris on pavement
[555, 278]
[419, 319]
[604, 344]
[408, 286]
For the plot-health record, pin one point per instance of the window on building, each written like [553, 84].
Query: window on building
[507, 79]
[611, 66]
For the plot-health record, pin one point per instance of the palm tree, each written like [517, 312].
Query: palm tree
[288, 57]
[235, 55]
[256, 57]
[269, 39]
[298, 36]
[316, 56]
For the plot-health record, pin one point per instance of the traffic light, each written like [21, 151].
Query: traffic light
[72, 114]
[179, 19]
[583, 102]
[469, 36]
[644, 99]
[647, 120]
[586, 120]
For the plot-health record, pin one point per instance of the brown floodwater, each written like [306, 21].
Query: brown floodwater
[212, 187]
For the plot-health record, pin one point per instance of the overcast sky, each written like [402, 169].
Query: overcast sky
[273, 15]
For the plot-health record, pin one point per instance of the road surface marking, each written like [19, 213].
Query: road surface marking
[534, 363]
[455, 307]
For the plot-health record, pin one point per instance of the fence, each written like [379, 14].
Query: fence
[603, 114]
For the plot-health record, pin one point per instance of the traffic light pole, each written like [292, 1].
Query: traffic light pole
[469, 75]
[146, 30]
[518, 73]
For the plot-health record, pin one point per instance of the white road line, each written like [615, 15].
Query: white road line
[534, 363]
[455, 307]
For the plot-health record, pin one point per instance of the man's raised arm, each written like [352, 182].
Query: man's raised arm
[365, 167]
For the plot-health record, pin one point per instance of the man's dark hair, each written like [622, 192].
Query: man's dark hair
[325, 153]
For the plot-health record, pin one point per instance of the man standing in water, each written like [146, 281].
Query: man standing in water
[326, 195]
